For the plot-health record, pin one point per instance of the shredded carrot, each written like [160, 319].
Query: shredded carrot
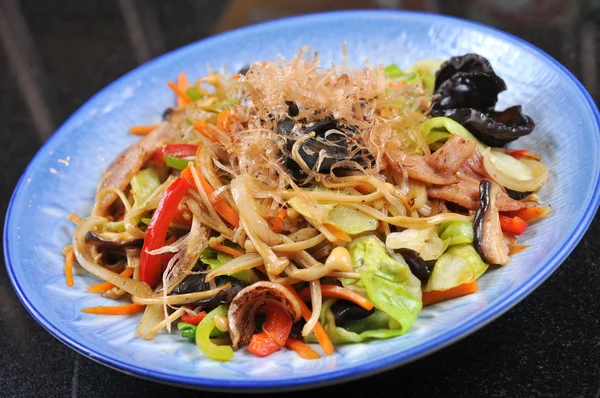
[142, 130]
[318, 330]
[305, 351]
[73, 217]
[236, 76]
[225, 118]
[364, 189]
[227, 249]
[339, 292]
[181, 85]
[338, 233]
[180, 93]
[435, 296]
[219, 204]
[200, 127]
[106, 286]
[126, 309]
[69, 267]
[277, 221]
[517, 249]
[528, 214]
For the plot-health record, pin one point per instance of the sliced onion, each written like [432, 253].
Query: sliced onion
[521, 175]
[153, 315]
[84, 258]
[316, 301]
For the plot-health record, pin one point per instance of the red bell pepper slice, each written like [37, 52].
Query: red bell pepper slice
[514, 225]
[193, 319]
[262, 345]
[151, 266]
[278, 324]
[176, 150]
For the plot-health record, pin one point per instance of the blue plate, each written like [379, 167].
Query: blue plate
[63, 175]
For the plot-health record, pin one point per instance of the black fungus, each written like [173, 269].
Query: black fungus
[196, 283]
[95, 239]
[345, 311]
[517, 195]
[467, 89]
[417, 265]
[166, 116]
[293, 110]
[495, 128]
[462, 63]
[244, 70]
[333, 142]
[475, 90]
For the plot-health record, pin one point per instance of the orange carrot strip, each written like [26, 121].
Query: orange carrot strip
[69, 267]
[180, 93]
[224, 119]
[435, 296]
[318, 330]
[106, 286]
[364, 189]
[200, 127]
[142, 130]
[339, 292]
[126, 309]
[528, 214]
[517, 249]
[73, 217]
[305, 351]
[181, 85]
[227, 249]
[277, 221]
[219, 204]
[338, 233]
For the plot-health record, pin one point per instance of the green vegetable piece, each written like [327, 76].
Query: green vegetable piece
[437, 135]
[194, 93]
[351, 221]
[113, 226]
[458, 232]
[176, 163]
[214, 259]
[394, 72]
[424, 241]
[375, 326]
[143, 183]
[459, 264]
[203, 331]
[187, 330]
[385, 280]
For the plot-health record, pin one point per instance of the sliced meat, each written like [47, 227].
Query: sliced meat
[130, 161]
[416, 167]
[465, 193]
[473, 167]
[452, 155]
[488, 238]
[438, 168]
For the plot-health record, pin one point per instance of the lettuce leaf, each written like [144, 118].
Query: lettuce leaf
[424, 241]
[386, 281]
[457, 232]
[143, 183]
[459, 264]
[214, 259]
[375, 326]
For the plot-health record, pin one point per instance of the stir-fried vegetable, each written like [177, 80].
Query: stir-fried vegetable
[293, 202]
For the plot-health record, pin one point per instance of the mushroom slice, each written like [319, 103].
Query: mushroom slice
[244, 305]
[488, 238]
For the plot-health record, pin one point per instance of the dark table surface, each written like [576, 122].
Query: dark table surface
[55, 54]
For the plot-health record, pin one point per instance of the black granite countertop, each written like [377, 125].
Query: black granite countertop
[55, 54]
